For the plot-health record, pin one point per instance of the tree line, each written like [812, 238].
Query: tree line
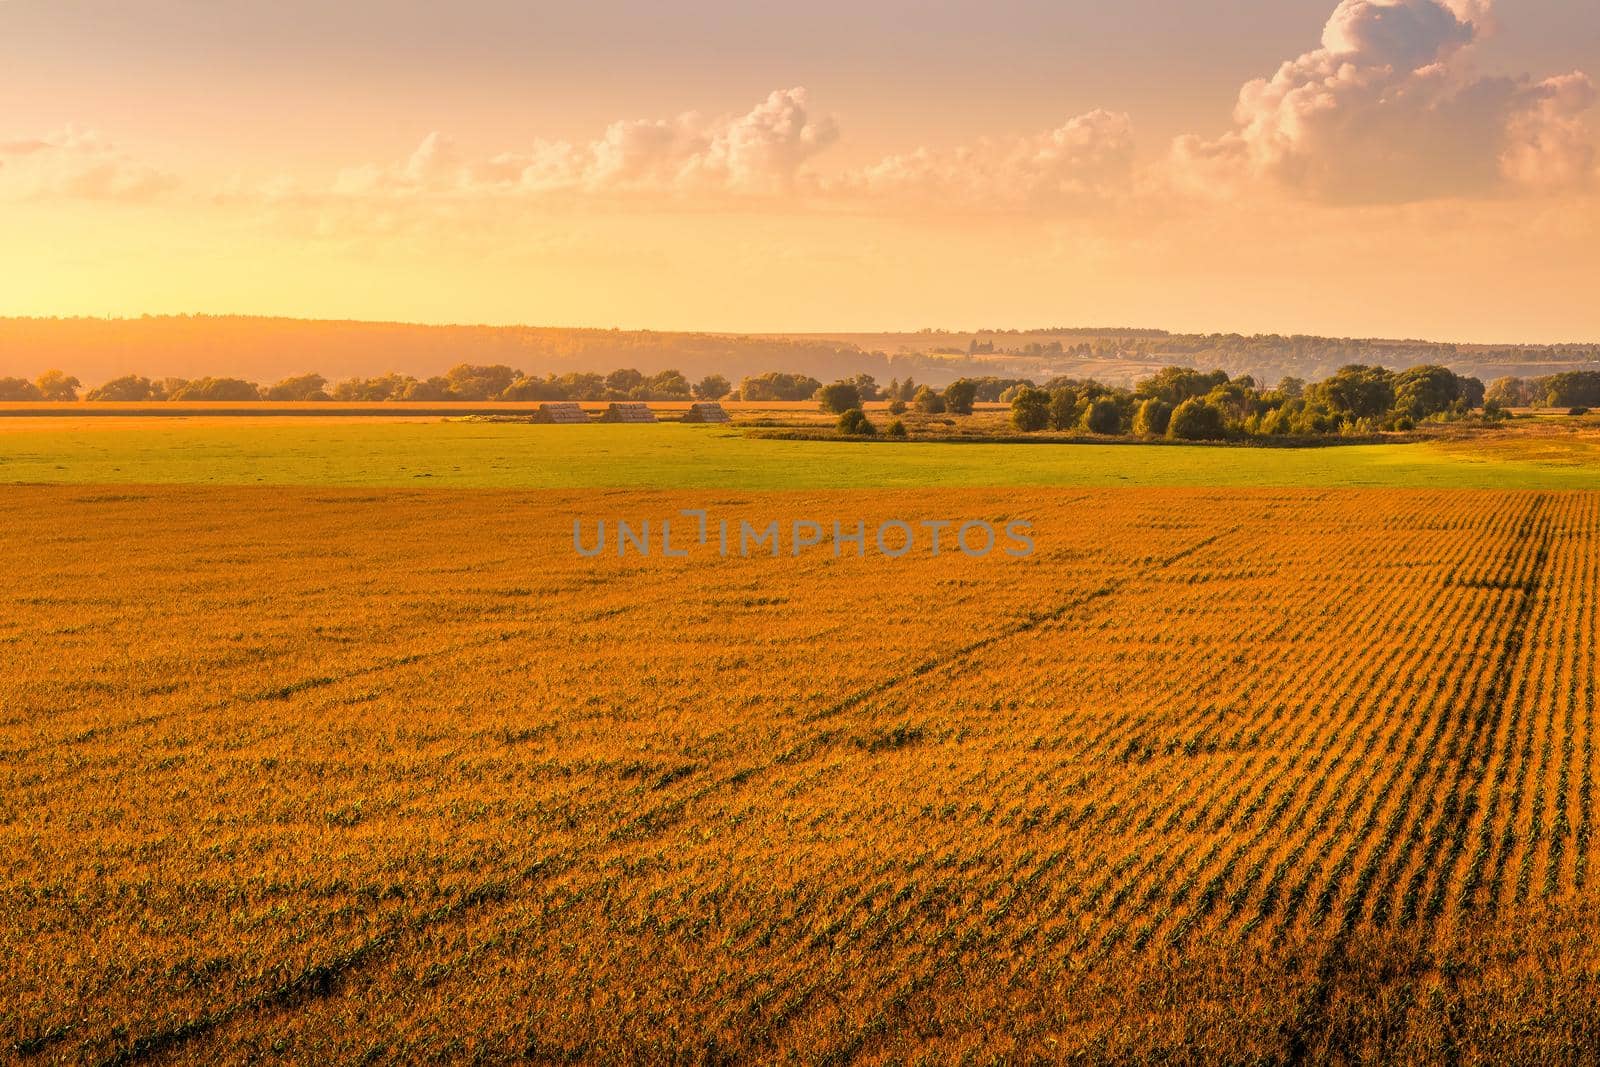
[1185, 404]
[1571, 389]
[472, 382]
[465, 382]
[1178, 402]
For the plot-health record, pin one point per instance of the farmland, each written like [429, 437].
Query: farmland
[1247, 773]
[398, 452]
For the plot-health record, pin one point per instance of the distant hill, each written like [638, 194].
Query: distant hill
[268, 349]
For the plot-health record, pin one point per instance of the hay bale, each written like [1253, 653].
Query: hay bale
[628, 413]
[563, 412]
[707, 412]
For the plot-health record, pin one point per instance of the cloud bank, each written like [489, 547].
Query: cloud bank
[760, 153]
[76, 164]
[1082, 163]
[1389, 109]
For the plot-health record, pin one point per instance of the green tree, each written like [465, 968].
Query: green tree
[669, 385]
[130, 387]
[1103, 417]
[928, 402]
[624, 384]
[58, 386]
[776, 385]
[1064, 408]
[867, 386]
[304, 388]
[1359, 392]
[19, 389]
[839, 397]
[711, 387]
[582, 385]
[523, 389]
[959, 396]
[472, 382]
[217, 390]
[1030, 409]
[1428, 390]
[1509, 393]
[1177, 384]
[1197, 420]
[1153, 417]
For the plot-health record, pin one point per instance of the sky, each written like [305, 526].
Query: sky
[1398, 168]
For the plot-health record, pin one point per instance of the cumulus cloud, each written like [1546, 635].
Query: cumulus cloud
[1388, 108]
[1081, 162]
[1548, 143]
[76, 164]
[767, 153]
[763, 152]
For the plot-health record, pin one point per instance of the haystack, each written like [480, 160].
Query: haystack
[707, 412]
[628, 413]
[561, 412]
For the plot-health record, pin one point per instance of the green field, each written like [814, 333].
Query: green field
[335, 452]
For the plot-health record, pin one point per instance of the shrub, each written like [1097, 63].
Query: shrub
[854, 423]
[1196, 420]
[897, 407]
[928, 402]
[1578, 413]
[897, 428]
[840, 397]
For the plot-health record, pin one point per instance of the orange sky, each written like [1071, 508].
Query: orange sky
[1372, 167]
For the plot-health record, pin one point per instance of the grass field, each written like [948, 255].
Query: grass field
[397, 453]
[1257, 775]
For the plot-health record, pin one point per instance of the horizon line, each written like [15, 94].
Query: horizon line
[780, 333]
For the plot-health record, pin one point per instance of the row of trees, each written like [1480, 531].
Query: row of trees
[1177, 402]
[1573, 389]
[1191, 405]
[51, 385]
[957, 398]
[466, 382]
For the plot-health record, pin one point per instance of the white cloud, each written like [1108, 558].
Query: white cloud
[76, 164]
[1083, 161]
[763, 152]
[767, 154]
[1388, 108]
[1548, 143]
